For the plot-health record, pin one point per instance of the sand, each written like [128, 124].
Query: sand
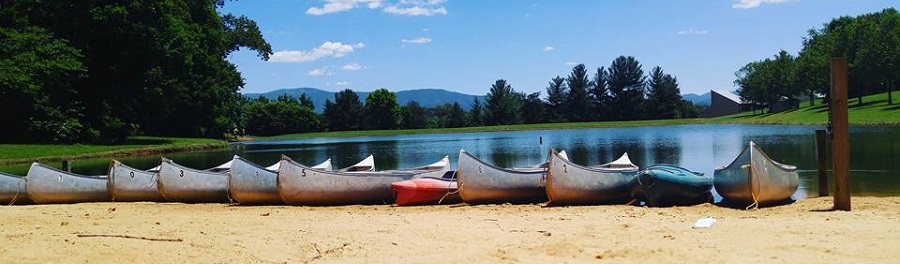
[803, 232]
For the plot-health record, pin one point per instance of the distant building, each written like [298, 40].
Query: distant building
[724, 103]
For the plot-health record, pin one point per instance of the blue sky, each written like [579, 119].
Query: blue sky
[465, 45]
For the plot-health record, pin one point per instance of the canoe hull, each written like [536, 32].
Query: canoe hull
[12, 189]
[47, 185]
[572, 184]
[252, 184]
[177, 183]
[127, 184]
[425, 191]
[480, 182]
[664, 185]
[301, 185]
[753, 177]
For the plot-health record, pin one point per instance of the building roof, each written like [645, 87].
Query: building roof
[727, 94]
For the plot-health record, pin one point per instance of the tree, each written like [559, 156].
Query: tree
[813, 65]
[599, 94]
[475, 114]
[448, 115]
[37, 73]
[626, 84]
[579, 105]
[752, 81]
[503, 104]
[381, 110]
[146, 67]
[533, 109]
[307, 101]
[557, 95]
[345, 113]
[283, 116]
[413, 116]
[663, 95]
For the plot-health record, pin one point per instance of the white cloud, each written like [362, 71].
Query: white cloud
[425, 30]
[318, 71]
[415, 11]
[421, 40]
[327, 49]
[341, 83]
[570, 63]
[747, 4]
[549, 48]
[334, 6]
[417, 8]
[692, 32]
[352, 67]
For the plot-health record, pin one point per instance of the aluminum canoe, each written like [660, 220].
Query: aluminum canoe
[249, 183]
[480, 182]
[570, 183]
[302, 185]
[755, 179]
[178, 183]
[12, 189]
[127, 184]
[367, 164]
[48, 185]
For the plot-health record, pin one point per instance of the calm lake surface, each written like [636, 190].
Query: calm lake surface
[875, 151]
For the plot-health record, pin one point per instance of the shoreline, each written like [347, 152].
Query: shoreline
[164, 149]
[806, 232]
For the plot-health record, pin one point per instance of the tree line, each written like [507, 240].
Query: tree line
[620, 92]
[99, 71]
[870, 42]
[93, 71]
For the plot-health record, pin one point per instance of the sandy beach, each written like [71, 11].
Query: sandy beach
[803, 232]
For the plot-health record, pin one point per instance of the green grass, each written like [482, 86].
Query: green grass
[21, 153]
[873, 111]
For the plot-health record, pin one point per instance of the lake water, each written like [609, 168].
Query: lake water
[875, 151]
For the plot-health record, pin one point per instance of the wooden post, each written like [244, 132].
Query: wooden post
[840, 144]
[820, 161]
[66, 166]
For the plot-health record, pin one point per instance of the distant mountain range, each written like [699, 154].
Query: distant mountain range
[425, 97]
[702, 99]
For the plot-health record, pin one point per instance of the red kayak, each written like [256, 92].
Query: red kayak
[425, 191]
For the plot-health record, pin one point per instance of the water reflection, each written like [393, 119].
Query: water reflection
[874, 150]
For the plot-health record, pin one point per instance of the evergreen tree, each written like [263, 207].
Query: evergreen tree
[413, 116]
[533, 109]
[626, 85]
[557, 96]
[503, 106]
[579, 105]
[345, 113]
[475, 114]
[600, 94]
[663, 95]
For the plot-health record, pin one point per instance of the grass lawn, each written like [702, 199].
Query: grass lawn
[873, 111]
[20, 153]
